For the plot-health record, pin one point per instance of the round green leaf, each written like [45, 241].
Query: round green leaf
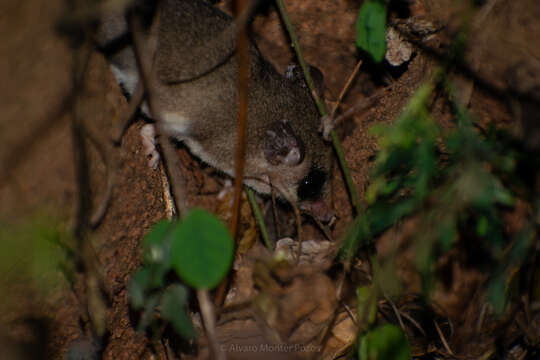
[202, 249]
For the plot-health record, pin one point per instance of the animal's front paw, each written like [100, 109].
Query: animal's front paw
[327, 125]
[148, 138]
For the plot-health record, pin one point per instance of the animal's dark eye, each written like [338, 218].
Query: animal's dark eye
[311, 186]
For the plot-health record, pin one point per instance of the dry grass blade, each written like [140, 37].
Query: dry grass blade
[346, 88]
[350, 313]
[443, 339]
[325, 229]
[414, 322]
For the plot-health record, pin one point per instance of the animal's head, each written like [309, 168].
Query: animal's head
[297, 160]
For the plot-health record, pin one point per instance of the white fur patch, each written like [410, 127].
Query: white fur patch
[176, 123]
[126, 78]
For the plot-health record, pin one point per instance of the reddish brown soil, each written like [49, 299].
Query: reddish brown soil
[36, 156]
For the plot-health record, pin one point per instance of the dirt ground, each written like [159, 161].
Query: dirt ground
[37, 172]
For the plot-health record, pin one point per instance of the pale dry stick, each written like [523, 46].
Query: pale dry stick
[480, 321]
[328, 124]
[144, 63]
[443, 339]
[170, 208]
[325, 229]
[345, 89]
[209, 320]
[350, 313]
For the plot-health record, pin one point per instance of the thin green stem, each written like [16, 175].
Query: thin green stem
[322, 108]
[259, 219]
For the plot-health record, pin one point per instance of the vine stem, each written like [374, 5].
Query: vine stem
[322, 108]
[259, 219]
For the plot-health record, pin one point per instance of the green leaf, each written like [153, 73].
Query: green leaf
[356, 236]
[447, 234]
[138, 285]
[202, 249]
[374, 221]
[371, 29]
[496, 294]
[149, 312]
[367, 306]
[157, 243]
[386, 342]
[482, 226]
[174, 309]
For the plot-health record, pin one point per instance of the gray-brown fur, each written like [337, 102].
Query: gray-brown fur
[202, 111]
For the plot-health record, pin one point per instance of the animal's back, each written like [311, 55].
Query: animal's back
[196, 95]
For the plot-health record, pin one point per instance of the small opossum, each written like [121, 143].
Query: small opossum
[283, 145]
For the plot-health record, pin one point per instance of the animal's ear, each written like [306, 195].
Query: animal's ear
[282, 146]
[294, 73]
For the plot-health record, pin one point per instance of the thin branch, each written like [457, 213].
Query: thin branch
[443, 339]
[414, 322]
[350, 313]
[209, 320]
[351, 187]
[325, 229]
[396, 311]
[361, 105]
[346, 88]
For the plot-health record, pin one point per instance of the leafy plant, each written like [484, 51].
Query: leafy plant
[32, 251]
[198, 249]
[457, 182]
